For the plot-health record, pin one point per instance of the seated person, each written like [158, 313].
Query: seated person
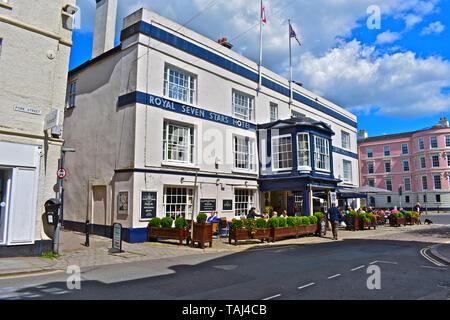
[212, 218]
[252, 214]
[284, 214]
[275, 214]
[265, 215]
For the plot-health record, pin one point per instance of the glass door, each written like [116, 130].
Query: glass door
[5, 191]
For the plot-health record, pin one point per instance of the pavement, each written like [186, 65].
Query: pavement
[73, 252]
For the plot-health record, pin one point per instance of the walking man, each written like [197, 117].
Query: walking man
[334, 216]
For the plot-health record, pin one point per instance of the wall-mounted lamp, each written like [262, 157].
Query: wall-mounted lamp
[217, 182]
[182, 180]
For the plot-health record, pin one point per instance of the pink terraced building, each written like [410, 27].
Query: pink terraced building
[418, 162]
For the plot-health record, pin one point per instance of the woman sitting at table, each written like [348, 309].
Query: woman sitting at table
[212, 218]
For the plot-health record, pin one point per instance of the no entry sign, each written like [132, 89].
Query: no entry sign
[61, 173]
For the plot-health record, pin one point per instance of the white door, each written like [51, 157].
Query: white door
[5, 193]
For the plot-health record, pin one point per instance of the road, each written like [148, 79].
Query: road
[334, 270]
[442, 218]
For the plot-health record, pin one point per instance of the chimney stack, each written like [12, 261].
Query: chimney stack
[443, 122]
[105, 27]
[362, 135]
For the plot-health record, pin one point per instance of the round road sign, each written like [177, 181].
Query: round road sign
[61, 173]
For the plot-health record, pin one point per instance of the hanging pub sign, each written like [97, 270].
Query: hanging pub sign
[148, 205]
[207, 205]
[227, 204]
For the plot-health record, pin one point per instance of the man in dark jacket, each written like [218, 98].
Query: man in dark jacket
[334, 216]
[252, 214]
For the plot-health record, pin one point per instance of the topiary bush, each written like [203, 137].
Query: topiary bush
[282, 222]
[166, 222]
[313, 219]
[408, 214]
[319, 215]
[201, 217]
[249, 224]
[352, 213]
[155, 222]
[180, 223]
[298, 221]
[261, 223]
[397, 215]
[272, 223]
[304, 221]
[237, 225]
[290, 221]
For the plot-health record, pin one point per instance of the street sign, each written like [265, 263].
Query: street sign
[61, 173]
[51, 120]
[117, 237]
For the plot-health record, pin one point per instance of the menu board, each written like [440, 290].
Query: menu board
[227, 204]
[148, 205]
[207, 205]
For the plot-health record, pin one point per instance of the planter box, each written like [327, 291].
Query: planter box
[302, 230]
[311, 229]
[364, 225]
[352, 223]
[261, 234]
[202, 233]
[412, 220]
[396, 222]
[153, 233]
[245, 234]
[283, 232]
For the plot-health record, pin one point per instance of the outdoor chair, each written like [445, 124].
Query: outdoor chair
[215, 230]
[223, 226]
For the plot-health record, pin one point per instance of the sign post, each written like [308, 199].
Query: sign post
[117, 237]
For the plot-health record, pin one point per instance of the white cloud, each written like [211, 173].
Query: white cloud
[388, 37]
[411, 20]
[360, 79]
[434, 27]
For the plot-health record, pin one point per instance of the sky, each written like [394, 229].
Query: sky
[386, 61]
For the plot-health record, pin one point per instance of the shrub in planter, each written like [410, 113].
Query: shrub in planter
[202, 217]
[272, 223]
[397, 219]
[319, 215]
[166, 222]
[282, 230]
[261, 223]
[180, 223]
[282, 222]
[155, 222]
[261, 231]
[298, 221]
[352, 221]
[237, 224]
[290, 221]
[313, 219]
[304, 221]
[202, 232]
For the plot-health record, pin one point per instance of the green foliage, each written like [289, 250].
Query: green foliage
[201, 218]
[290, 221]
[250, 224]
[416, 214]
[397, 215]
[155, 222]
[408, 214]
[282, 222]
[50, 255]
[261, 223]
[237, 224]
[298, 221]
[166, 222]
[313, 219]
[180, 223]
[352, 213]
[364, 217]
[319, 215]
[304, 221]
[272, 223]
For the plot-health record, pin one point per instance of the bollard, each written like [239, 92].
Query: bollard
[87, 234]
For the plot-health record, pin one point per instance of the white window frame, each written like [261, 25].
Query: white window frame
[389, 151]
[421, 182]
[371, 152]
[248, 158]
[432, 162]
[296, 114]
[189, 194]
[431, 143]
[447, 141]
[345, 140]
[317, 154]
[240, 205]
[407, 148]
[386, 183]
[303, 167]
[350, 178]
[250, 105]
[434, 181]
[425, 160]
[409, 165]
[191, 79]
[190, 147]
[273, 159]
[371, 179]
[72, 94]
[373, 167]
[390, 166]
[404, 183]
[273, 112]
[421, 144]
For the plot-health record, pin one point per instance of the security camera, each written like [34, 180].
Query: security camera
[70, 9]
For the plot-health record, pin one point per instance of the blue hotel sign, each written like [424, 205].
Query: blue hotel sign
[162, 103]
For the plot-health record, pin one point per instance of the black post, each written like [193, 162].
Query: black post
[87, 234]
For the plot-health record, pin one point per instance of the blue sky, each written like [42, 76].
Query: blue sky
[395, 78]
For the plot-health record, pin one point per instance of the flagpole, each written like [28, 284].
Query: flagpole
[260, 47]
[290, 64]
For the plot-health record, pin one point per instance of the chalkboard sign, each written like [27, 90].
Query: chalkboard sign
[148, 205]
[117, 237]
[350, 222]
[207, 205]
[227, 204]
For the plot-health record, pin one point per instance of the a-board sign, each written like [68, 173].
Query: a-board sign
[207, 205]
[227, 204]
[117, 237]
[148, 204]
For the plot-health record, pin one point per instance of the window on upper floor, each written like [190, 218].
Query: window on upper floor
[369, 153]
[405, 148]
[345, 136]
[447, 141]
[405, 165]
[423, 162]
[295, 114]
[387, 151]
[370, 167]
[371, 182]
[243, 106]
[282, 152]
[388, 184]
[321, 153]
[72, 94]
[424, 183]
[433, 143]
[179, 85]
[437, 181]
[421, 144]
[273, 112]
[387, 166]
[435, 160]
[178, 143]
[347, 165]
[407, 183]
[244, 154]
[303, 152]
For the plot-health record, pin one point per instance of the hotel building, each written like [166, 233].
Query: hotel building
[169, 112]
